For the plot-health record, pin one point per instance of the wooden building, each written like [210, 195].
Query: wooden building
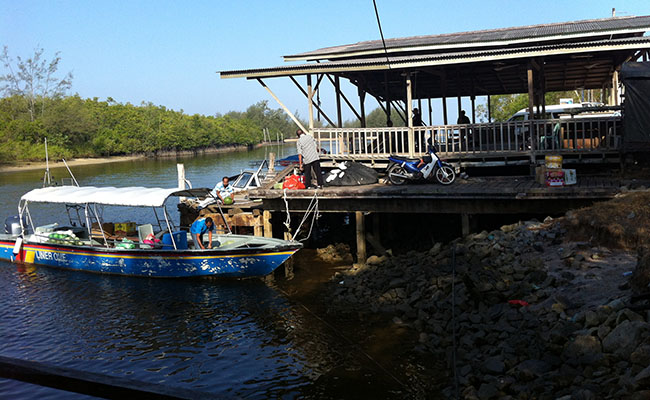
[409, 72]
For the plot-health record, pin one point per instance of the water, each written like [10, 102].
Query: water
[236, 339]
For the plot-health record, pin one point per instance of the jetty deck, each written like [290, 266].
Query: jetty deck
[481, 195]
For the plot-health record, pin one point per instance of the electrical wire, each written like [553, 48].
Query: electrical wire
[383, 41]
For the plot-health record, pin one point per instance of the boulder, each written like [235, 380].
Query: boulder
[624, 339]
[583, 346]
[643, 378]
[641, 356]
[487, 391]
[641, 276]
[494, 365]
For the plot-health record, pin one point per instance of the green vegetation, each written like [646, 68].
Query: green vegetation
[506, 105]
[34, 107]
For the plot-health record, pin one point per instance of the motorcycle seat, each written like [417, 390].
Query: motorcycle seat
[402, 158]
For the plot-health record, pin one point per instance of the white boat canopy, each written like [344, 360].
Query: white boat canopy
[124, 196]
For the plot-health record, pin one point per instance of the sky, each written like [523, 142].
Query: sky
[169, 52]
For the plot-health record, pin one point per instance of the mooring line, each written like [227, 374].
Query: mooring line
[355, 345]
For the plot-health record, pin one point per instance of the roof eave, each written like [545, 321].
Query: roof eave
[378, 66]
[379, 51]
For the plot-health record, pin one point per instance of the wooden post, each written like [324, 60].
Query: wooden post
[361, 238]
[409, 115]
[531, 117]
[362, 106]
[473, 109]
[181, 178]
[337, 85]
[430, 112]
[271, 162]
[489, 106]
[310, 98]
[268, 227]
[464, 220]
[257, 226]
[443, 84]
[444, 110]
[531, 94]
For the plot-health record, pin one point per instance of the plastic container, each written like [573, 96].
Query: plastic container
[180, 237]
[553, 162]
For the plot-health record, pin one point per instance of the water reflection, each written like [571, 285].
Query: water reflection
[239, 339]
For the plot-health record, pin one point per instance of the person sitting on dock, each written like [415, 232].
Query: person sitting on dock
[308, 158]
[223, 190]
[198, 228]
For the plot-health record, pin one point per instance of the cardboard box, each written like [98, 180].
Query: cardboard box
[128, 227]
[570, 177]
[540, 174]
[555, 178]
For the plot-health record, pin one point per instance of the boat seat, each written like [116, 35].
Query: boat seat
[144, 231]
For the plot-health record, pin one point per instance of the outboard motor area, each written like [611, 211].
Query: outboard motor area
[12, 225]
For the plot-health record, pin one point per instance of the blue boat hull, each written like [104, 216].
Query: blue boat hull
[233, 263]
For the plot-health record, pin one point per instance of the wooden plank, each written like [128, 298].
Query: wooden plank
[92, 384]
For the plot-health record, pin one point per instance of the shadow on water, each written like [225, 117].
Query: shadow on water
[239, 339]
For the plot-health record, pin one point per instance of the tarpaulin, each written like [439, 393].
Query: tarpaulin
[636, 107]
[349, 173]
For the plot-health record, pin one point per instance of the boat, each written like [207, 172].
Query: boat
[87, 246]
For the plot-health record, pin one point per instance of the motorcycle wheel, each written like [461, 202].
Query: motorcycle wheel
[396, 169]
[445, 175]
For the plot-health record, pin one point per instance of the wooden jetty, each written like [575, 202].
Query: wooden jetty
[263, 209]
[405, 75]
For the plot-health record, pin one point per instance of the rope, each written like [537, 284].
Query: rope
[287, 222]
[312, 208]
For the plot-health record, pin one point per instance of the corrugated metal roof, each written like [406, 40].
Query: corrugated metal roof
[585, 28]
[379, 63]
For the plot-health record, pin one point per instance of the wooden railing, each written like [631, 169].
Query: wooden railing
[575, 135]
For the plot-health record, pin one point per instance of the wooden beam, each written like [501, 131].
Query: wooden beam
[489, 107]
[531, 94]
[293, 117]
[362, 106]
[315, 105]
[310, 100]
[337, 89]
[430, 112]
[409, 114]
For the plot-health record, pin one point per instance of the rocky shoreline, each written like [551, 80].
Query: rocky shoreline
[536, 312]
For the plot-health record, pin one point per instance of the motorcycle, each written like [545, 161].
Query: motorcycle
[403, 169]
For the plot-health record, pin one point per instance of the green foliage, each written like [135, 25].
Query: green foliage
[76, 127]
[504, 106]
[376, 119]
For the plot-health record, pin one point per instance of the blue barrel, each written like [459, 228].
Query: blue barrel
[180, 237]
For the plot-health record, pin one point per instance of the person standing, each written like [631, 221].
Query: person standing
[309, 158]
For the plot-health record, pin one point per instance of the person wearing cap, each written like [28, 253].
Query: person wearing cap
[308, 158]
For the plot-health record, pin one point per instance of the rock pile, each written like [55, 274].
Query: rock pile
[335, 253]
[535, 317]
